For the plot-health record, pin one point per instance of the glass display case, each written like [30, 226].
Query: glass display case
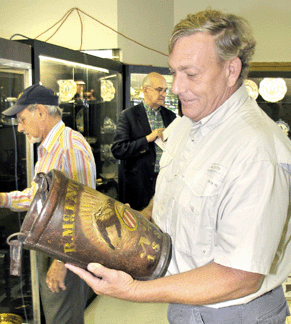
[16, 168]
[90, 92]
[270, 84]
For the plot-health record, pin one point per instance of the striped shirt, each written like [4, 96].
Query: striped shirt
[63, 149]
[156, 121]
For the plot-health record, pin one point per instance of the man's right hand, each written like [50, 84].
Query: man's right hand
[147, 212]
[155, 134]
[105, 281]
[56, 275]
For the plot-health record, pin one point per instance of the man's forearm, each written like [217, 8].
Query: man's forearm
[209, 284]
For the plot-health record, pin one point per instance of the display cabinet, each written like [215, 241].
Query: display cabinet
[272, 90]
[90, 92]
[270, 84]
[16, 169]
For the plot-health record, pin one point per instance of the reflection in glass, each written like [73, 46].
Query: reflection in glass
[90, 98]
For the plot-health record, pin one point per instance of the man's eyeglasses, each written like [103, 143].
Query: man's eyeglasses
[160, 90]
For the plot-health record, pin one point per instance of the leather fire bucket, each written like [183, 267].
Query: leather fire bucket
[76, 224]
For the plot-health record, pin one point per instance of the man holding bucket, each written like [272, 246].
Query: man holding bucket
[63, 294]
[223, 190]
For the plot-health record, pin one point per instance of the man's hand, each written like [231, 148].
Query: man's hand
[104, 281]
[56, 275]
[155, 134]
[147, 212]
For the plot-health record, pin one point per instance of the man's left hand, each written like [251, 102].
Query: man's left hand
[56, 275]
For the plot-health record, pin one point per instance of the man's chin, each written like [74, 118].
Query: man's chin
[33, 140]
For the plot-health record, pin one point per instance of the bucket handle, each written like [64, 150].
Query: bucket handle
[12, 235]
[43, 184]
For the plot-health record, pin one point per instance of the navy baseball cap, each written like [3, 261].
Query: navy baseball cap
[35, 94]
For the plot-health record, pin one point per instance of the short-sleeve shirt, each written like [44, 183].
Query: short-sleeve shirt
[223, 193]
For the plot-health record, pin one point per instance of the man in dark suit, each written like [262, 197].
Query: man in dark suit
[137, 129]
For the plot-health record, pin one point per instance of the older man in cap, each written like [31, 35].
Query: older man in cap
[63, 294]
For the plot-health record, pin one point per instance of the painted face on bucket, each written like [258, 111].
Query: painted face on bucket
[200, 80]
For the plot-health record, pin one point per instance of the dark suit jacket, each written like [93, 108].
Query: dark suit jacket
[138, 156]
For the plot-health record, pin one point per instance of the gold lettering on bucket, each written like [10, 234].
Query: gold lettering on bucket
[68, 224]
[143, 241]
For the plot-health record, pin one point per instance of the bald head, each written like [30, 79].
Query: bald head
[150, 77]
[154, 88]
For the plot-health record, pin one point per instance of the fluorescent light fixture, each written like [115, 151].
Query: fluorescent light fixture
[73, 64]
[14, 64]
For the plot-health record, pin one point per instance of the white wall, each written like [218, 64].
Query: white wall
[147, 22]
[32, 17]
[270, 20]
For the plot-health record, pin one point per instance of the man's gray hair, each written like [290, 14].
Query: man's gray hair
[233, 35]
[52, 110]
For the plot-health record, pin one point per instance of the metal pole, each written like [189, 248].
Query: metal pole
[34, 288]
[33, 265]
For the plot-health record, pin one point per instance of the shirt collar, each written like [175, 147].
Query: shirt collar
[219, 115]
[150, 109]
[53, 136]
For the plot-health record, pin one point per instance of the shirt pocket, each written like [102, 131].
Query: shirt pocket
[166, 159]
[197, 201]
[202, 189]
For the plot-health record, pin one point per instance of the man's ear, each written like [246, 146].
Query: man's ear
[144, 89]
[234, 67]
[42, 111]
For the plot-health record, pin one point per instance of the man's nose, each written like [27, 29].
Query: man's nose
[178, 85]
[20, 128]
